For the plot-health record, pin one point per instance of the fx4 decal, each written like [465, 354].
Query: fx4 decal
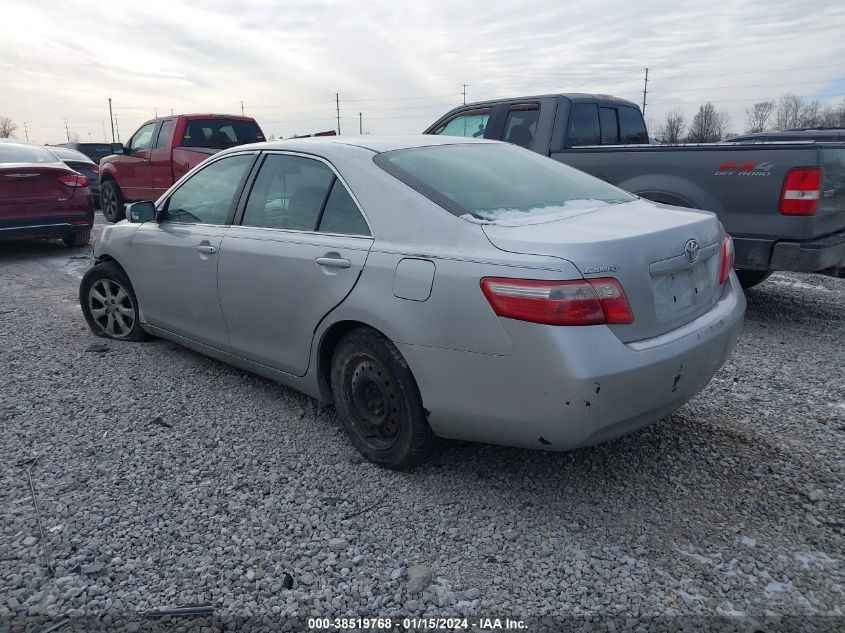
[737, 168]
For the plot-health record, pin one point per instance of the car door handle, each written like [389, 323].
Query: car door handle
[205, 248]
[333, 262]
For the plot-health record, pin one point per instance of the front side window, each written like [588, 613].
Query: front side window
[467, 124]
[631, 126]
[496, 181]
[521, 125]
[206, 197]
[583, 125]
[143, 138]
[288, 193]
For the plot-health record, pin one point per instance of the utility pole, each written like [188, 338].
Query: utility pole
[111, 118]
[25, 131]
[105, 138]
[465, 93]
[337, 103]
[242, 107]
[117, 126]
[360, 123]
[67, 131]
[171, 111]
[156, 111]
[645, 90]
[89, 137]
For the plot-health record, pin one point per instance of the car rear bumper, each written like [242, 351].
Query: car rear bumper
[807, 256]
[45, 227]
[568, 387]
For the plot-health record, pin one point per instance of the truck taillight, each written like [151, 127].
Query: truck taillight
[575, 302]
[73, 180]
[727, 262]
[801, 191]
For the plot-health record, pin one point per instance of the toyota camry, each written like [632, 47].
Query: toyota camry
[429, 287]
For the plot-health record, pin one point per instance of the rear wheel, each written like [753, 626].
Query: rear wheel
[75, 240]
[111, 201]
[750, 278]
[379, 402]
[109, 304]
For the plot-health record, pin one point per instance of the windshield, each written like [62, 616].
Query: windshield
[492, 181]
[220, 132]
[20, 153]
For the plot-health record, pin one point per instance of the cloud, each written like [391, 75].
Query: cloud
[400, 64]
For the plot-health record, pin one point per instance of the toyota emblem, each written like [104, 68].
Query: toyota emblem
[691, 251]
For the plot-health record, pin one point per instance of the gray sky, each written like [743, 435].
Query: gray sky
[400, 63]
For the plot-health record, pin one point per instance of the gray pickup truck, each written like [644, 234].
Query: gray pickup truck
[783, 202]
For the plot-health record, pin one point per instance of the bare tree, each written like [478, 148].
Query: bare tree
[811, 114]
[7, 127]
[708, 125]
[673, 127]
[833, 116]
[758, 116]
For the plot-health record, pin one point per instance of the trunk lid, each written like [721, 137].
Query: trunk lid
[23, 184]
[642, 244]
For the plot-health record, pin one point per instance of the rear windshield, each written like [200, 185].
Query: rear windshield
[220, 132]
[95, 151]
[495, 181]
[15, 153]
[64, 153]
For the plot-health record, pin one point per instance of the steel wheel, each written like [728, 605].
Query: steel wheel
[111, 308]
[375, 410]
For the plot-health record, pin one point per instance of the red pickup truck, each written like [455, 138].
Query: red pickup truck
[163, 150]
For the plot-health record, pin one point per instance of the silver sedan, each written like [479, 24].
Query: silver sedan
[429, 288]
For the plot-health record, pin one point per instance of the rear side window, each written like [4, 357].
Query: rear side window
[288, 193]
[341, 214]
[631, 126]
[165, 132]
[471, 124]
[609, 126]
[583, 125]
[521, 124]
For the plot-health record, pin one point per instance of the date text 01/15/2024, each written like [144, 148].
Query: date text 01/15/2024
[417, 624]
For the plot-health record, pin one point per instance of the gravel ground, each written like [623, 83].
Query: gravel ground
[165, 478]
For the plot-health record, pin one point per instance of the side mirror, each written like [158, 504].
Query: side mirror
[138, 212]
[117, 148]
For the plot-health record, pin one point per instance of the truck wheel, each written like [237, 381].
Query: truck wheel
[75, 240]
[750, 278]
[111, 201]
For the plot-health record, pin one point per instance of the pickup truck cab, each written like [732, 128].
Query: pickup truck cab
[163, 150]
[783, 202]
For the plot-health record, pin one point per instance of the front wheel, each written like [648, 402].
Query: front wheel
[111, 201]
[378, 401]
[109, 304]
[750, 278]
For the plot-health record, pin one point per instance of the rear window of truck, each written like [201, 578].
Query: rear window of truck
[220, 132]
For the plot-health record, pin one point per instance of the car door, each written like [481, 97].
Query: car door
[297, 253]
[175, 258]
[161, 167]
[135, 172]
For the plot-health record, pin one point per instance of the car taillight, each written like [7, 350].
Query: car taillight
[727, 262]
[95, 169]
[801, 191]
[576, 302]
[73, 180]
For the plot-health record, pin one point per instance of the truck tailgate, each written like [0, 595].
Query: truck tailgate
[830, 217]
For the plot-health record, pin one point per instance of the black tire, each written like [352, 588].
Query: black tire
[378, 401]
[111, 201]
[750, 278]
[75, 240]
[120, 310]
